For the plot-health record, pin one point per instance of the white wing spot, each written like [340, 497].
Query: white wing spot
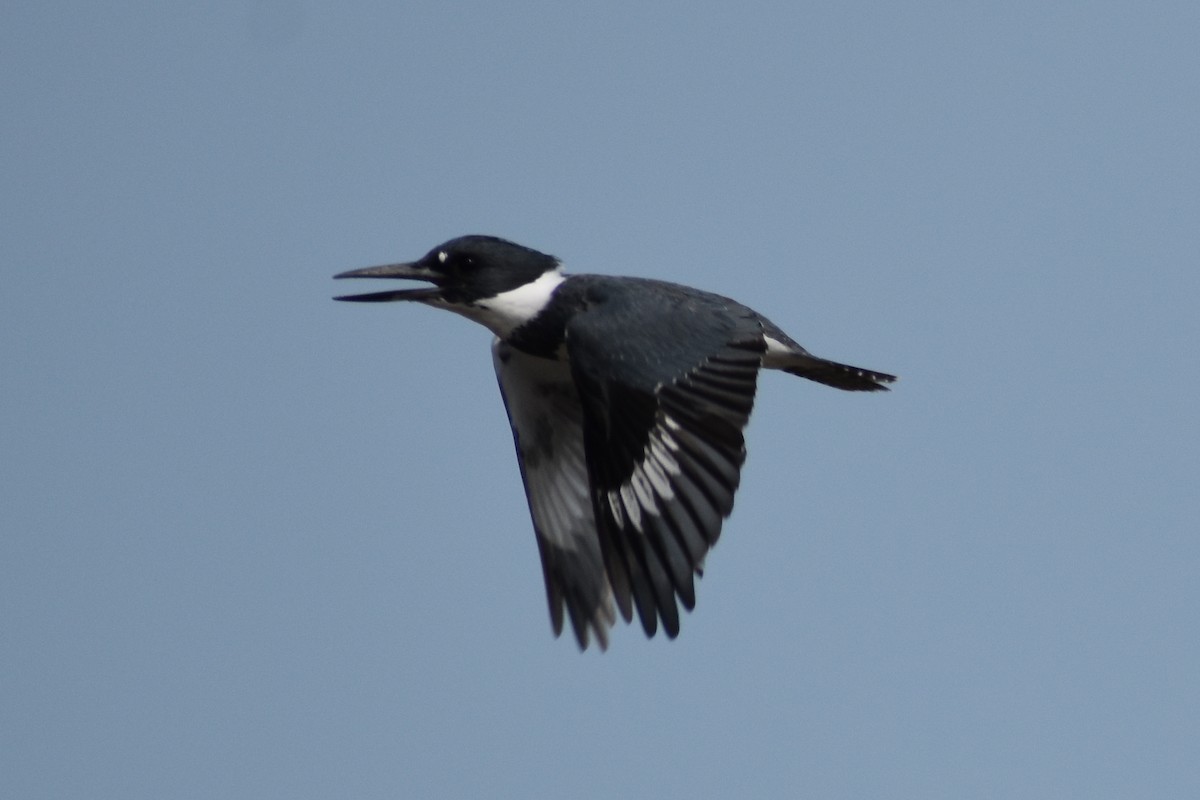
[657, 465]
[642, 489]
[632, 508]
[614, 503]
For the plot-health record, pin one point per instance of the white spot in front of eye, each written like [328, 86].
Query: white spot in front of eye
[442, 257]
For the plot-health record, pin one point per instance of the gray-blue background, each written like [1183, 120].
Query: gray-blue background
[257, 544]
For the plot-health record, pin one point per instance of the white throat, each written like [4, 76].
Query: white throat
[509, 310]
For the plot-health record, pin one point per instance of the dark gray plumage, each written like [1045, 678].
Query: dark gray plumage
[627, 398]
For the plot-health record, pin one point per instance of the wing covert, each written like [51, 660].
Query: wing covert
[662, 432]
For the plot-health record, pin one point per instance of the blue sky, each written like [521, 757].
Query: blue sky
[259, 544]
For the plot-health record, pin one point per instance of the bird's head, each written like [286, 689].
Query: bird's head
[463, 271]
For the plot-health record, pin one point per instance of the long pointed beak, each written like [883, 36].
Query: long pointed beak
[410, 271]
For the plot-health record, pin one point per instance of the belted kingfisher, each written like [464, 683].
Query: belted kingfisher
[627, 399]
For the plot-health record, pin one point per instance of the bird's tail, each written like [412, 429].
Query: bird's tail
[839, 376]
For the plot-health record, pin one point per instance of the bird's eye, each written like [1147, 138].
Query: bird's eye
[455, 265]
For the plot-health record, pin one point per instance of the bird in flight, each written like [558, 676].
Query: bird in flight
[627, 399]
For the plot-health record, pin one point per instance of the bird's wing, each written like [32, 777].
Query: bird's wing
[662, 430]
[543, 409]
